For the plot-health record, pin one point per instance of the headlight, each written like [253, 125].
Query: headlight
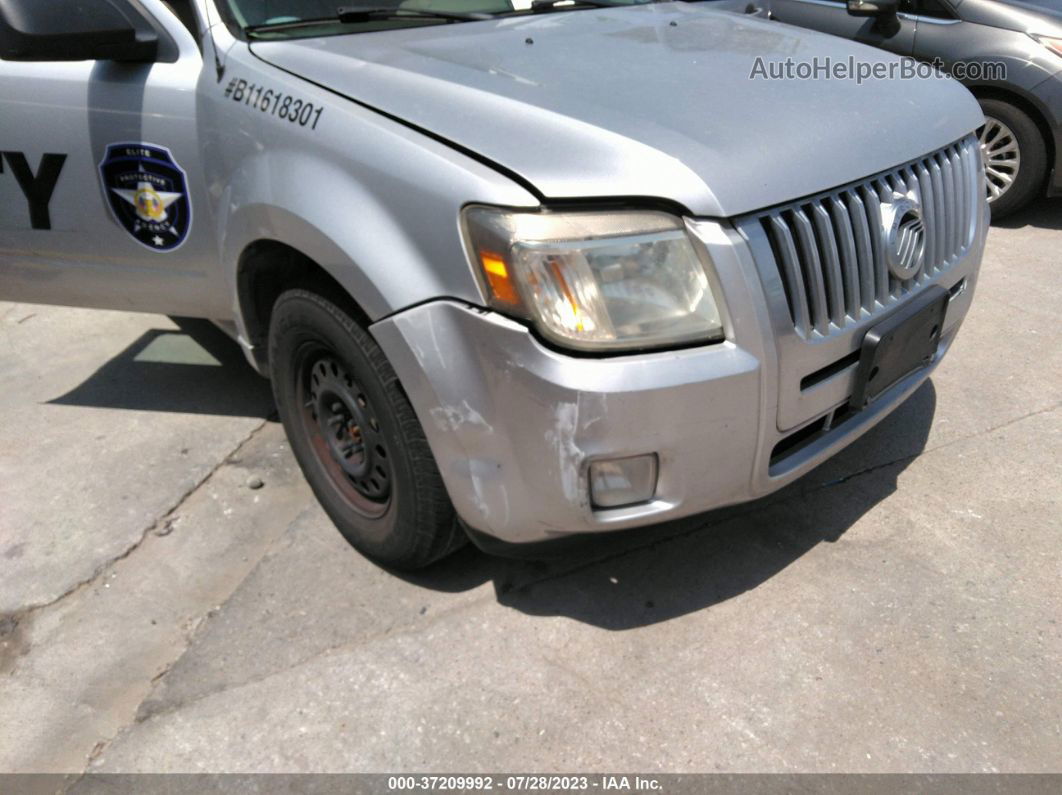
[595, 280]
[1050, 42]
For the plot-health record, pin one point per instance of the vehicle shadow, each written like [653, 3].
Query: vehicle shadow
[1043, 214]
[615, 581]
[196, 369]
[621, 581]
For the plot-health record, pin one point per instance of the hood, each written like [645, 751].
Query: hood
[644, 101]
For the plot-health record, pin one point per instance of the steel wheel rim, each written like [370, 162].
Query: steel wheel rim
[1001, 157]
[344, 432]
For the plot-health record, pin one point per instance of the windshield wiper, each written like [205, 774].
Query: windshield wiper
[360, 14]
[352, 14]
[546, 5]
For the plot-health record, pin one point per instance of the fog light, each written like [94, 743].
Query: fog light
[622, 481]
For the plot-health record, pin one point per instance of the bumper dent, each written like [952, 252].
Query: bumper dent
[514, 425]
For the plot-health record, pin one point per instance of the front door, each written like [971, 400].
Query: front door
[103, 202]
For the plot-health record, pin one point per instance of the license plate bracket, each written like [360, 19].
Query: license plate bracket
[899, 345]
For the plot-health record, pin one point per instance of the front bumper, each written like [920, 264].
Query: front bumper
[514, 425]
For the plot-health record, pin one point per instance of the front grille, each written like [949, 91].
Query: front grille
[829, 248]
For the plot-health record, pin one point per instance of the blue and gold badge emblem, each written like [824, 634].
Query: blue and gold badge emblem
[148, 194]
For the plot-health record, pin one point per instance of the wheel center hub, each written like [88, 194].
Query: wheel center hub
[348, 429]
[340, 421]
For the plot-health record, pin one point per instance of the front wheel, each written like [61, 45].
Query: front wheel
[1014, 156]
[355, 435]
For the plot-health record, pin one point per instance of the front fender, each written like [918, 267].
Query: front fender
[373, 202]
[259, 206]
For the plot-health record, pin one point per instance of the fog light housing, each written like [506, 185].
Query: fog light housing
[617, 482]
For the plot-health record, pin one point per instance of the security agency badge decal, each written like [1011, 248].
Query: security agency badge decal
[148, 194]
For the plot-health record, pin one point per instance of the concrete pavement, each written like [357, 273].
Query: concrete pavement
[896, 610]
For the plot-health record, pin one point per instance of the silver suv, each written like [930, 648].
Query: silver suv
[515, 273]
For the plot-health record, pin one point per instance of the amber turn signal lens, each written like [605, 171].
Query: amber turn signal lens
[498, 279]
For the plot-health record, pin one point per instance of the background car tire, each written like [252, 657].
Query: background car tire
[1032, 169]
[355, 435]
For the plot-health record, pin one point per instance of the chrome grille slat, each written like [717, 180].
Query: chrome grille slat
[950, 206]
[948, 192]
[872, 200]
[967, 199]
[967, 194]
[831, 264]
[912, 182]
[956, 197]
[940, 207]
[794, 280]
[960, 196]
[973, 187]
[929, 210]
[829, 248]
[910, 186]
[809, 255]
[842, 224]
[865, 256]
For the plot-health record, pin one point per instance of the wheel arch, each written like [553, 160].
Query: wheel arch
[265, 269]
[270, 249]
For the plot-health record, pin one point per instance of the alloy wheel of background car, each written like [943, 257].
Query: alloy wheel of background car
[1014, 154]
[1001, 156]
[355, 434]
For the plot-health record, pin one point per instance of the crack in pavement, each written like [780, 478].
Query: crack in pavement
[99, 571]
[589, 685]
[11, 621]
[389, 632]
[417, 628]
[102, 744]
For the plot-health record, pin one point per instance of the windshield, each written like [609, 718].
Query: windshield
[301, 18]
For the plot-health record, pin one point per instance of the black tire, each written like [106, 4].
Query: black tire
[355, 435]
[1032, 170]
